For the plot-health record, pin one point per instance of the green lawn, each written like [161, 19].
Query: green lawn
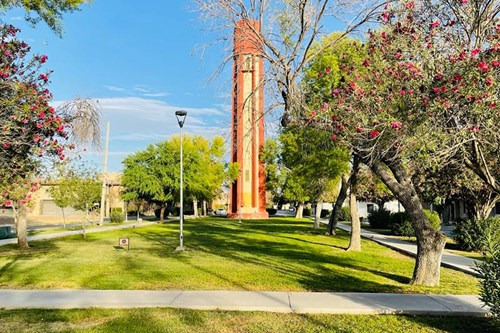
[275, 254]
[43, 231]
[178, 321]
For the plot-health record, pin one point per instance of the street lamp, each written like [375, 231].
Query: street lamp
[181, 118]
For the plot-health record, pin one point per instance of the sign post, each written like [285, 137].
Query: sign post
[122, 242]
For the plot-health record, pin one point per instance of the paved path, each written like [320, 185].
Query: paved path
[450, 260]
[75, 232]
[299, 302]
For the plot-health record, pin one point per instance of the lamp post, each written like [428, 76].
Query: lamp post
[181, 118]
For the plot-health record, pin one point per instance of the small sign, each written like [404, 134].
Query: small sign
[122, 242]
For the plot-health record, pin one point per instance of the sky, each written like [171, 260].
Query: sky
[142, 60]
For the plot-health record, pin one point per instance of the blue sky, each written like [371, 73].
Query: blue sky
[140, 60]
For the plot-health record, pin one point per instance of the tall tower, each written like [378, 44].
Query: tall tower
[248, 192]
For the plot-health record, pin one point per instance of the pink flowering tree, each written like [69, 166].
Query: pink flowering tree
[427, 92]
[31, 131]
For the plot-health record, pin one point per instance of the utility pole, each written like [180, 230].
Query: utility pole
[104, 176]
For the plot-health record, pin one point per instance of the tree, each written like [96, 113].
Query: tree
[302, 166]
[62, 198]
[31, 130]
[413, 85]
[85, 191]
[207, 171]
[50, 11]
[153, 174]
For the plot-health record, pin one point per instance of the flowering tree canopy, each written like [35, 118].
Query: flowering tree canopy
[427, 88]
[426, 92]
[30, 128]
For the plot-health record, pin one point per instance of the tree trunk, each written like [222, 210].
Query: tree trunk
[22, 227]
[195, 207]
[84, 231]
[430, 242]
[300, 210]
[317, 217]
[162, 213]
[204, 207]
[334, 217]
[482, 211]
[64, 218]
[355, 241]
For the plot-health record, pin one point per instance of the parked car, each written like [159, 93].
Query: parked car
[221, 212]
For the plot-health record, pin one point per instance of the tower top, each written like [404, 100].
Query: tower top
[247, 37]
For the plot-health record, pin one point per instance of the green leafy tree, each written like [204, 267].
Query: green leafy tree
[83, 191]
[62, 197]
[50, 11]
[153, 174]
[150, 175]
[308, 165]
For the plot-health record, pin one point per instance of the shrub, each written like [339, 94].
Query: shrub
[117, 209]
[490, 285]
[306, 212]
[116, 217]
[478, 235]
[380, 219]
[401, 225]
[345, 214]
[271, 211]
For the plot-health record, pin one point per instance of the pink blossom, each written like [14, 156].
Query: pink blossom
[8, 203]
[495, 63]
[43, 77]
[435, 24]
[374, 134]
[334, 117]
[475, 52]
[464, 2]
[483, 66]
[43, 59]
[366, 62]
[438, 76]
[489, 81]
[396, 125]
[325, 105]
[334, 137]
[328, 70]
[359, 129]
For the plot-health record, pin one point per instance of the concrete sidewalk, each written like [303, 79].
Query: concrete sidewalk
[76, 232]
[298, 302]
[450, 260]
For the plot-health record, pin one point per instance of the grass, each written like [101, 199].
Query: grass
[44, 231]
[277, 254]
[179, 321]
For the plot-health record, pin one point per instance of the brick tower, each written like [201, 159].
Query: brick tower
[248, 192]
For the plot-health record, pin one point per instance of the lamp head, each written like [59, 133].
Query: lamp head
[181, 117]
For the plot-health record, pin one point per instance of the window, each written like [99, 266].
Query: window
[370, 208]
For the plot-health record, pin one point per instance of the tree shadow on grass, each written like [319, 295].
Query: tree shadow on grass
[305, 264]
[14, 255]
